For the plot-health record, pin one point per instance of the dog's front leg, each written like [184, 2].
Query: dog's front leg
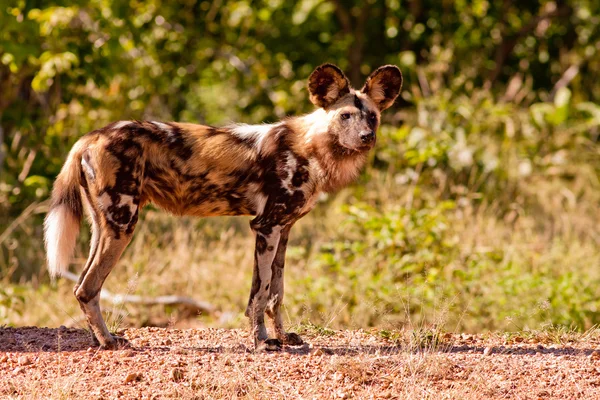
[267, 241]
[276, 292]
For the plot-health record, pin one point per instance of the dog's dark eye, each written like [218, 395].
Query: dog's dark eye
[345, 115]
[372, 118]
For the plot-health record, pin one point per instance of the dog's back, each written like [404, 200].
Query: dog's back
[186, 169]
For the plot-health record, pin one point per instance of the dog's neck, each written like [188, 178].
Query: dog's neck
[336, 166]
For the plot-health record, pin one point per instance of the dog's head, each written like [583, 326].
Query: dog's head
[353, 115]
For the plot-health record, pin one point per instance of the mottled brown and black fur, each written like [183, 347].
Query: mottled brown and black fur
[272, 172]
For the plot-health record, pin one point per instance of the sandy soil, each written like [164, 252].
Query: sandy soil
[218, 363]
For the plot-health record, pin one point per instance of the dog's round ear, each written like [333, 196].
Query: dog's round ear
[383, 86]
[326, 85]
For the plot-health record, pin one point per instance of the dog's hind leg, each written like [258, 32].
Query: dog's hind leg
[114, 216]
[94, 219]
[107, 254]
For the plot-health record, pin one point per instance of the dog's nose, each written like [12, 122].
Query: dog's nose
[367, 137]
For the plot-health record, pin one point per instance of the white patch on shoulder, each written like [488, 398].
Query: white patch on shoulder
[252, 132]
[162, 126]
[317, 123]
[121, 124]
[291, 165]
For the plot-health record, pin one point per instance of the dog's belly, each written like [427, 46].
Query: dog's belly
[201, 197]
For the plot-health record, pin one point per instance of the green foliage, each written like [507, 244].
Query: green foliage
[382, 250]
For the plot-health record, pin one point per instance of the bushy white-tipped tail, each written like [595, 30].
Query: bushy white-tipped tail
[61, 228]
[61, 225]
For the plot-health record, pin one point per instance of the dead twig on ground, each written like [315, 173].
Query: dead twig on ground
[190, 304]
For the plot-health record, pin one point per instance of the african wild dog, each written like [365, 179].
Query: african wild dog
[273, 172]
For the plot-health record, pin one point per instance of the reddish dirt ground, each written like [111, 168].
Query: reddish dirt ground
[219, 363]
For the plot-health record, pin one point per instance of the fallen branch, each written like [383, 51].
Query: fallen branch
[190, 304]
